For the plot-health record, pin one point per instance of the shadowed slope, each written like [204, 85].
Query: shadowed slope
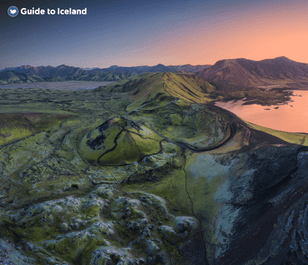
[12, 77]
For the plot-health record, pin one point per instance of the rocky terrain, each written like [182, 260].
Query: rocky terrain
[146, 171]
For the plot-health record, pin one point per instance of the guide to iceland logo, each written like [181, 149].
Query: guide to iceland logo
[12, 11]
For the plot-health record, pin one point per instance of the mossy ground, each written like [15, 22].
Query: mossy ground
[15, 126]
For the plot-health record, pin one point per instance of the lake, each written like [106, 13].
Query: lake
[64, 85]
[291, 117]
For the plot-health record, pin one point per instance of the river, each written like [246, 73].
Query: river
[291, 117]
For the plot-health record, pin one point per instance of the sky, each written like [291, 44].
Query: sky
[143, 32]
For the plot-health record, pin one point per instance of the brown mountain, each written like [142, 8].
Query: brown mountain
[190, 68]
[42, 71]
[242, 73]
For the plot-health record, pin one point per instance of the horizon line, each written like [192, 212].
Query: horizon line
[149, 65]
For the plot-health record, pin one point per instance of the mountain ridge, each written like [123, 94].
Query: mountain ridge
[231, 74]
[66, 73]
[228, 74]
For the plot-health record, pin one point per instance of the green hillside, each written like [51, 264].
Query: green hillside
[146, 90]
[12, 77]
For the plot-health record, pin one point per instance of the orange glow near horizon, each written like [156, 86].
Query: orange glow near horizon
[252, 31]
[254, 34]
[134, 33]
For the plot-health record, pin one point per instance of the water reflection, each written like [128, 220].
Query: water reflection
[291, 117]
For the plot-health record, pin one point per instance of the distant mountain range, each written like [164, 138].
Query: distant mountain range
[225, 75]
[29, 74]
[233, 74]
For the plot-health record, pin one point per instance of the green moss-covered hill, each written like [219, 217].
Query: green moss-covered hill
[119, 141]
